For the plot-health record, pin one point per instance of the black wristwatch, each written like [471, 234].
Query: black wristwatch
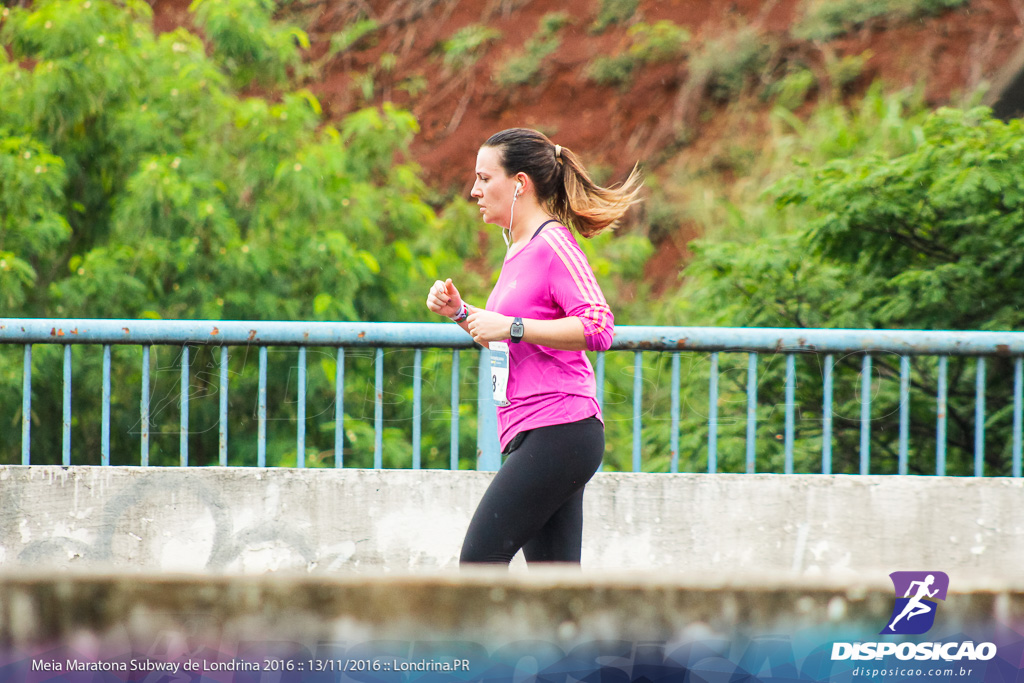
[516, 331]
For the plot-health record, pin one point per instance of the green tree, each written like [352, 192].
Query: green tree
[247, 43]
[137, 181]
[926, 236]
[32, 227]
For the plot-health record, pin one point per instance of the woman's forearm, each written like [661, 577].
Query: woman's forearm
[565, 334]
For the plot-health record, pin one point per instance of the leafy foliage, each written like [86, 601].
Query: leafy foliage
[31, 224]
[246, 42]
[792, 89]
[527, 67]
[922, 232]
[844, 70]
[933, 234]
[352, 35]
[614, 12]
[611, 69]
[727, 62]
[826, 19]
[464, 48]
[661, 42]
[138, 183]
[135, 182]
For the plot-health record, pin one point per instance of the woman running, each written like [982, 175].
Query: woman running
[545, 311]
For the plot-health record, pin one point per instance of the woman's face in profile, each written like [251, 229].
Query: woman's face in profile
[493, 188]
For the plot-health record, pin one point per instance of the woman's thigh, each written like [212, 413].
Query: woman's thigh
[546, 472]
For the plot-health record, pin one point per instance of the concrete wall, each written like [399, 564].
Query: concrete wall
[326, 522]
[564, 608]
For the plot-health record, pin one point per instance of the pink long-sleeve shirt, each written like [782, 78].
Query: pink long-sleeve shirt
[548, 279]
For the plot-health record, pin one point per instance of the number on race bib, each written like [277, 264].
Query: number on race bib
[499, 372]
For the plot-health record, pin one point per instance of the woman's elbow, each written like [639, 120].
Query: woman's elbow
[601, 341]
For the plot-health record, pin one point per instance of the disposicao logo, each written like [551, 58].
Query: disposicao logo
[916, 595]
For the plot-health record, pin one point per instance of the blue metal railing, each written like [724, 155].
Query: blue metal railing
[418, 336]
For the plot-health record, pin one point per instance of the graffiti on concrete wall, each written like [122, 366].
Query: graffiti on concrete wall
[161, 520]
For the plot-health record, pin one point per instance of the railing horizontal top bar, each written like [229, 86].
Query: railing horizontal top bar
[413, 335]
[233, 333]
[778, 339]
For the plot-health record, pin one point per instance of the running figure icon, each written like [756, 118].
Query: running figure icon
[917, 601]
[916, 606]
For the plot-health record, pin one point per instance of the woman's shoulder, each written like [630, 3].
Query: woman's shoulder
[562, 243]
[559, 236]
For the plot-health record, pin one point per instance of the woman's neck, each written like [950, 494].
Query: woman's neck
[525, 223]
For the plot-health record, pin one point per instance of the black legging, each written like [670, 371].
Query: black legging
[535, 501]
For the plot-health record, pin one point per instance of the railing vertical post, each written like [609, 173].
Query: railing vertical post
[144, 409]
[261, 410]
[105, 418]
[417, 407]
[339, 409]
[979, 418]
[751, 411]
[184, 405]
[222, 449]
[904, 414]
[1018, 395]
[378, 409]
[300, 426]
[713, 416]
[66, 441]
[790, 409]
[826, 419]
[488, 448]
[26, 407]
[940, 420]
[865, 415]
[638, 378]
[674, 436]
[454, 460]
[599, 380]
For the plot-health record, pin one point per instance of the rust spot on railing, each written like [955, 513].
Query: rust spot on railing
[252, 335]
[215, 332]
[362, 334]
[126, 330]
[56, 333]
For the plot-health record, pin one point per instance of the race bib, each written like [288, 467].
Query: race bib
[499, 372]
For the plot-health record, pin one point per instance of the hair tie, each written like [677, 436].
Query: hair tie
[558, 153]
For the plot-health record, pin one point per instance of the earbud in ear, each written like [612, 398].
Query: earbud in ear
[519, 187]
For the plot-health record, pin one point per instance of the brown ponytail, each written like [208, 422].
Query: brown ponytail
[563, 183]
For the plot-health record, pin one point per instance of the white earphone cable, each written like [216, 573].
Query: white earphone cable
[511, 217]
